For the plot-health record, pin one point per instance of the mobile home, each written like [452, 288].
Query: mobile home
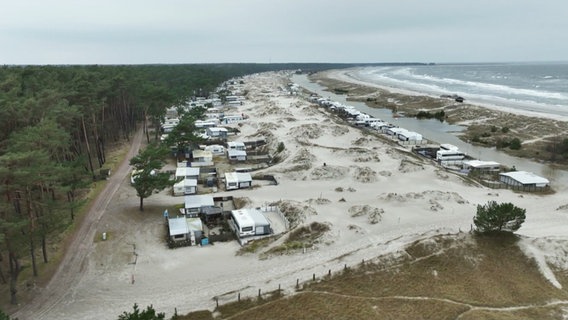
[449, 155]
[250, 222]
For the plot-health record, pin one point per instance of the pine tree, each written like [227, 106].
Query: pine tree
[494, 217]
[146, 175]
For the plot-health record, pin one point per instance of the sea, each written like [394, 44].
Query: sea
[532, 87]
[528, 87]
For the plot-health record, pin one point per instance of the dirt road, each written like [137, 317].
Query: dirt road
[69, 271]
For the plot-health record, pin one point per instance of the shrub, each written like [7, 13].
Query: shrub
[515, 144]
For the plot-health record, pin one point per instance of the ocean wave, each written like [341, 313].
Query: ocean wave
[407, 78]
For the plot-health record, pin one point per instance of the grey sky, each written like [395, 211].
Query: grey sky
[186, 31]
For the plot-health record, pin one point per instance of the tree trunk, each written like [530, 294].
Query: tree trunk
[96, 140]
[32, 253]
[32, 229]
[71, 200]
[44, 247]
[141, 204]
[1, 272]
[14, 273]
[88, 148]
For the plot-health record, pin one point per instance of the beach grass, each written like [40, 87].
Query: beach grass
[443, 277]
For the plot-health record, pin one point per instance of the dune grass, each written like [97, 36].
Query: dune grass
[463, 276]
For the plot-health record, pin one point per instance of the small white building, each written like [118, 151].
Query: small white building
[185, 187]
[395, 131]
[481, 166]
[236, 145]
[233, 118]
[185, 229]
[187, 172]
[206, 124]
[217, 132]
[250, 222]
[215, 149]
[447, 146]
[523, 179]
[409, 136]
[202, 156]
[237, 180]
[237, 155]
[195, 204]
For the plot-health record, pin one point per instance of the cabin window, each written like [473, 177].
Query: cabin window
[245, 229]
[179, 236]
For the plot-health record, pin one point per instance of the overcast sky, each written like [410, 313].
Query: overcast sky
[187, 31]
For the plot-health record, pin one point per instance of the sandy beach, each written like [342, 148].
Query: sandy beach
[536, 130]
[375, 196]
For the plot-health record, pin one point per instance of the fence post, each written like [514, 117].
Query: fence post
[239, 297]
[259, 293]
[297, 283]
[314, 277]
[217, 302]
[329, 273]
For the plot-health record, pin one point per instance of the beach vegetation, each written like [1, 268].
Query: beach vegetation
[281, 147]
[340, 91]
[148, 314]
[440, 115]
[505, 130]
[498, 217]
[515, 144]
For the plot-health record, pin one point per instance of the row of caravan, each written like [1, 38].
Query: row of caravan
[446, 153]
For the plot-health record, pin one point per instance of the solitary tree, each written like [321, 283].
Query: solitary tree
[496, 217]
[146, 176]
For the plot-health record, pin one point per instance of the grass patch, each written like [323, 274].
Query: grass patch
[464, 276]
[255, 245]
[300, 238]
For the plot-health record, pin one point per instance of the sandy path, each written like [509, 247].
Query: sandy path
[70, 269]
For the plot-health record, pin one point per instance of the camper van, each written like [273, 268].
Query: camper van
[448, 155]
